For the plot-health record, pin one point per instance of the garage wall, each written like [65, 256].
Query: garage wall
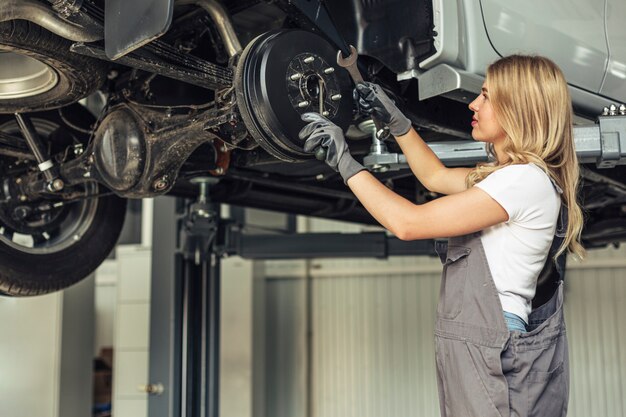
[370, 350]
[596, 317]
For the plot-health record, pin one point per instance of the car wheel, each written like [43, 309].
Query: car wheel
[48, 245]
[282, 74]
[38, 71]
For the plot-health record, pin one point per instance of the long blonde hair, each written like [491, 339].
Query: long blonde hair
[531, 102]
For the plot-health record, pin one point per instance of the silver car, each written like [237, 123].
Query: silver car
[137, 99]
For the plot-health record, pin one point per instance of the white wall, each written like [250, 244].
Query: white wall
[29, 355]
[46, 353]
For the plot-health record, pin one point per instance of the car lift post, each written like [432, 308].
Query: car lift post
[185, 308]
[189, 238]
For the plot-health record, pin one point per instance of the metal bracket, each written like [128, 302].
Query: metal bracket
[451, 153]
[444, 80]
[129, 25]
[612, 140]
[200, 225]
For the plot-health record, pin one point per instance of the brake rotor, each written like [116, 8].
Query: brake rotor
[280, 76]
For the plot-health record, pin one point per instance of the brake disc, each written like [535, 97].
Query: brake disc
[283, 74]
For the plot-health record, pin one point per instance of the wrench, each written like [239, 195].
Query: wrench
[349, 63]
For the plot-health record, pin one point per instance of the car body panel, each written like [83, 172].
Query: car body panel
[615, 81]
[570, 32]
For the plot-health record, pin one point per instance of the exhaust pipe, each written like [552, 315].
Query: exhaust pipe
[222, 22]
[45, 17]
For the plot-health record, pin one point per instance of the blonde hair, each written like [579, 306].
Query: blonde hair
[531, 102]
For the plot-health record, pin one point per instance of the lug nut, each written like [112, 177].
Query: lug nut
[18, 180]
[605, 111]
[329, 70]
[325, 113]
[23, 197]
[335, 97]
[309, 59]
[295, 77]
[612, 110]
[622, 109]
[303, 104]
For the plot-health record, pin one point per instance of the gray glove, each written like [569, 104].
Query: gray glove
[372, 100]
[322, 132]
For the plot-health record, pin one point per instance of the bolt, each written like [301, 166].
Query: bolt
[23, 197]
[224, 148]
[309, 59]
[325, 113]
[18, 180]
[295, 77]
[219, 170]
[160, 184]
[56, 185]
[112, 74]
[335, 97]
[87, 174]
[303, 104]
[329, 70]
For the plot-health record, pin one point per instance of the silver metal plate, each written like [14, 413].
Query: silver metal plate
[129, 25]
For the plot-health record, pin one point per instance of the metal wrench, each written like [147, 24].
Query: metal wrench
[349, 63]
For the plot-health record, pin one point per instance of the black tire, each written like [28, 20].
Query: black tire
[26, 274]
[78, 76]
[64, 259]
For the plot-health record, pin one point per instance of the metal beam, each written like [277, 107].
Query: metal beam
[324, 245]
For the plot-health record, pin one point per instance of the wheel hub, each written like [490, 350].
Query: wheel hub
[282, 75]
[22, 76]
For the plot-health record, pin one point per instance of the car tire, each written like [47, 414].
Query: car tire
[76, 75]
[81, 234]
[26, 274]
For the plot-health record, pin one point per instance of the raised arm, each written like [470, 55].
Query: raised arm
[464, 212]
[428, 168]
[421, 159]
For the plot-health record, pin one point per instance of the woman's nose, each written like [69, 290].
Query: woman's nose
[472, 106]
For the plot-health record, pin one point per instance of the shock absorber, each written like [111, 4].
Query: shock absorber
[44, 163]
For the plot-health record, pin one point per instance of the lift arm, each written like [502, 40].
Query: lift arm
[603, 143]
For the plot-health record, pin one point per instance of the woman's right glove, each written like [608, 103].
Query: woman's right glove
[373, 101]
[322, 132]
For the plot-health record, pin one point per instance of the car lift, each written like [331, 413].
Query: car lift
[185, 300]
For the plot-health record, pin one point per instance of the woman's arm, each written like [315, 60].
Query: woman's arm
[455, 215]
[428, 168]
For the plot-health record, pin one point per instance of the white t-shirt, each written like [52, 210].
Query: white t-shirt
[517, 249]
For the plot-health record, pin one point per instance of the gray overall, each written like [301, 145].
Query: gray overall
[483, 370]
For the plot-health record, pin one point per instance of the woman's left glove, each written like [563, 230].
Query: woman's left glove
[322, 132]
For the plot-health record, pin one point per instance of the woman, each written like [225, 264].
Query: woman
[495, 357]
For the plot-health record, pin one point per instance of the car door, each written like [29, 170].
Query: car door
[570, 32]
[614, 85]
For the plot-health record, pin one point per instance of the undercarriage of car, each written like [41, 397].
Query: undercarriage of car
[213, 93]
